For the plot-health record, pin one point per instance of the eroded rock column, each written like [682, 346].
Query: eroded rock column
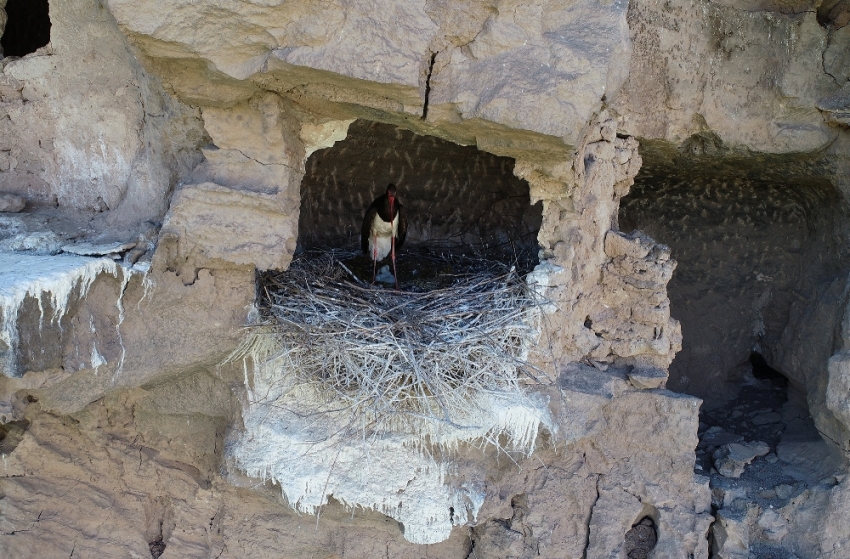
[610, 288]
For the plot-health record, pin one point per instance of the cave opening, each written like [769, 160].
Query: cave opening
[459, 201]
[760, 291]
[27, 27]
[442, 348]
[757, 253]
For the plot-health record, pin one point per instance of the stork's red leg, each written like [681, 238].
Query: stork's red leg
[392, 253]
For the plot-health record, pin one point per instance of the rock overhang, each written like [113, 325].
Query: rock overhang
[542, 67]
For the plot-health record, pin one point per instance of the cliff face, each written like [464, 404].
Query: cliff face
[165, 151]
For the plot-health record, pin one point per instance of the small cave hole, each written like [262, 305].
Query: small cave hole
[641, 539]
[11, 434]
[27, 28]
[159, 520]
[761, 370]
[157, 547]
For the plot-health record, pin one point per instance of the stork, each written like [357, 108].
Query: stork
[384, 229]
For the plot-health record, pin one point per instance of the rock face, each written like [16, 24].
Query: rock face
[160, 450]
[11, 203]
[469, 56]
[699, 66]
[85, 128]
[731, 459]
[185, 135]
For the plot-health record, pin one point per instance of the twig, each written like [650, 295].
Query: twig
[350, 273]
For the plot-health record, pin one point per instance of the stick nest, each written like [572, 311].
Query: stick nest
[385, 356]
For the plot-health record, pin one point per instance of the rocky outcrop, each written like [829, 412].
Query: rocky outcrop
[82, 126]
[475, 60]
[754, 77]
[607, 320]
[146, 463]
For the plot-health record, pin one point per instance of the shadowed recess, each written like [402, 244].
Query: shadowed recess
[755, 253]
[457, 198]
[28, 27]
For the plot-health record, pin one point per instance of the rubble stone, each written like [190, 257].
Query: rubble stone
[731, 459]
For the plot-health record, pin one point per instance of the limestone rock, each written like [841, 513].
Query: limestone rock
[33, 242]
[98, 249]
[324, 135]
[11, 203]
[606, 535]
[32, 286]
[697, 67]
[838, 387]
[636, 245]
[212, 222]
[723, 495]
[53, 152]
[773, 525]
[815, 518]
[262, 129]
[836, 107]
[836, 57]
[731, 459]
[516, 67]
[507, 66]
[730, 535]
[636, 321]
[648, 378]
[807, 457]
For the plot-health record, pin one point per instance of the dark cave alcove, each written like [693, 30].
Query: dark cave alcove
[27, 28]
[758, 242]
[458, 199]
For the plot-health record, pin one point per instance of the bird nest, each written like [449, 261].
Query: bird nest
[441, 350]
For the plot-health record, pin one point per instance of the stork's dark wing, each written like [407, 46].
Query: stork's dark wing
[401, 232]
[366, 229]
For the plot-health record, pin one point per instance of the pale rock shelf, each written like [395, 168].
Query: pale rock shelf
[23, 275]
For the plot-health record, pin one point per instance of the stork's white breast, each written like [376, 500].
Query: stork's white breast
[380, 237]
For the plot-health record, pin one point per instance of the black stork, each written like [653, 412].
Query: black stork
[384, 229]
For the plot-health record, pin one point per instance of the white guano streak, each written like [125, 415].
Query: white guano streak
[389, 472]
[23, 275]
